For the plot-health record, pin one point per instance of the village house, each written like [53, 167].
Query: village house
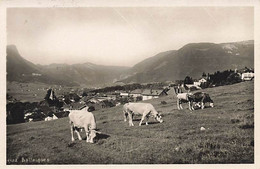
[247, 76]
[36, 74]
[111, 97]
[245, 73]
[93, 100]
[192, 87]
[73, 106]
[101, 99]
[152, 93]
[200, 81]
[124, 94]
[84, 99]
[57, 115]
[51, 117]
[136, 93]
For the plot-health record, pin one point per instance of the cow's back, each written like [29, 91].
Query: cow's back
[198, 96]
[82, 118]
[182, 96]
[140, 108]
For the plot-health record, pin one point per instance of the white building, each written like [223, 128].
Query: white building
[136, 93]
[152, 94]
[126, 94]
[199, 82]
[247, 76]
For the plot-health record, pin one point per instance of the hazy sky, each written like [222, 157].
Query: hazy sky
[120, 36]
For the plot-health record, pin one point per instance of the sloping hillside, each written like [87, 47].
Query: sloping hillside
[17, 67]
[228, 136]
[21, 70]
[191, 60]
[194, 59]
[152, 62]
[85, 73]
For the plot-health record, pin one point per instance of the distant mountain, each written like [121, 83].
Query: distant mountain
[192, 60]
[85, 73]
[21, 70]
[17, 66]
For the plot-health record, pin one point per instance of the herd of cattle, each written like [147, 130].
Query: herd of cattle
[84, 118]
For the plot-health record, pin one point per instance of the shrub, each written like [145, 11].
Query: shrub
[163, 102]
[247, 126]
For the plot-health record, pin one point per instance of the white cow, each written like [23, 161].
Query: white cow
[145, 109]
[83, 119]
[184, 97]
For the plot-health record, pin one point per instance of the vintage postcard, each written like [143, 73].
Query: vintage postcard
[165, 84]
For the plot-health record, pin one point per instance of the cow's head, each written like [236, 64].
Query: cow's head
[92, 135]
[158, 117]
[211, 103]
[190, 96]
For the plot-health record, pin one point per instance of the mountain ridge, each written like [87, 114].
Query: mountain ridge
[190, 60]
[195, 58]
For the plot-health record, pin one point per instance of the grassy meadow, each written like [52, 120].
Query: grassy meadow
[228, 136]
[34, 92]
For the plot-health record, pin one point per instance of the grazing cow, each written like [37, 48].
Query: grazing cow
[83, 119]
[201, 98]
[145, 109]
[184, 98]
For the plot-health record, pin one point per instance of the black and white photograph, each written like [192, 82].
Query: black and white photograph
[88, 85]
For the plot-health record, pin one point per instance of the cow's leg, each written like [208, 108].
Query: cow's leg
[77, 131]
[91, 139]
[202, 105]
[125, 116]
[191, 105]
[181, 106]
[203, 102]
[178, 104]
[143, 117]
[147, 118]
[72, 131]
[130, 119]
[198, 104]
[87, 134]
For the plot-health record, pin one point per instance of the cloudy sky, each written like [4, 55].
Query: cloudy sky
[120, 36]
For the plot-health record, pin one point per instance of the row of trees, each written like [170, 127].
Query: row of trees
[224, 78]
[217, 79]
[15, 111]
[127, 87]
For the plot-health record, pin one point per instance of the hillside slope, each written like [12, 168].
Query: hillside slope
[21, 70]
[85, 73]
[18, 66]
[191, 60]
[194, 59]
[228, 136]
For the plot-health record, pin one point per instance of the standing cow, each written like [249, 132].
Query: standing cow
[145, 109]
[184, 98]
[83, 119]
[201, 98]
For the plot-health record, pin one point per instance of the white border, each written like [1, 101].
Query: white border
[124, 3]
